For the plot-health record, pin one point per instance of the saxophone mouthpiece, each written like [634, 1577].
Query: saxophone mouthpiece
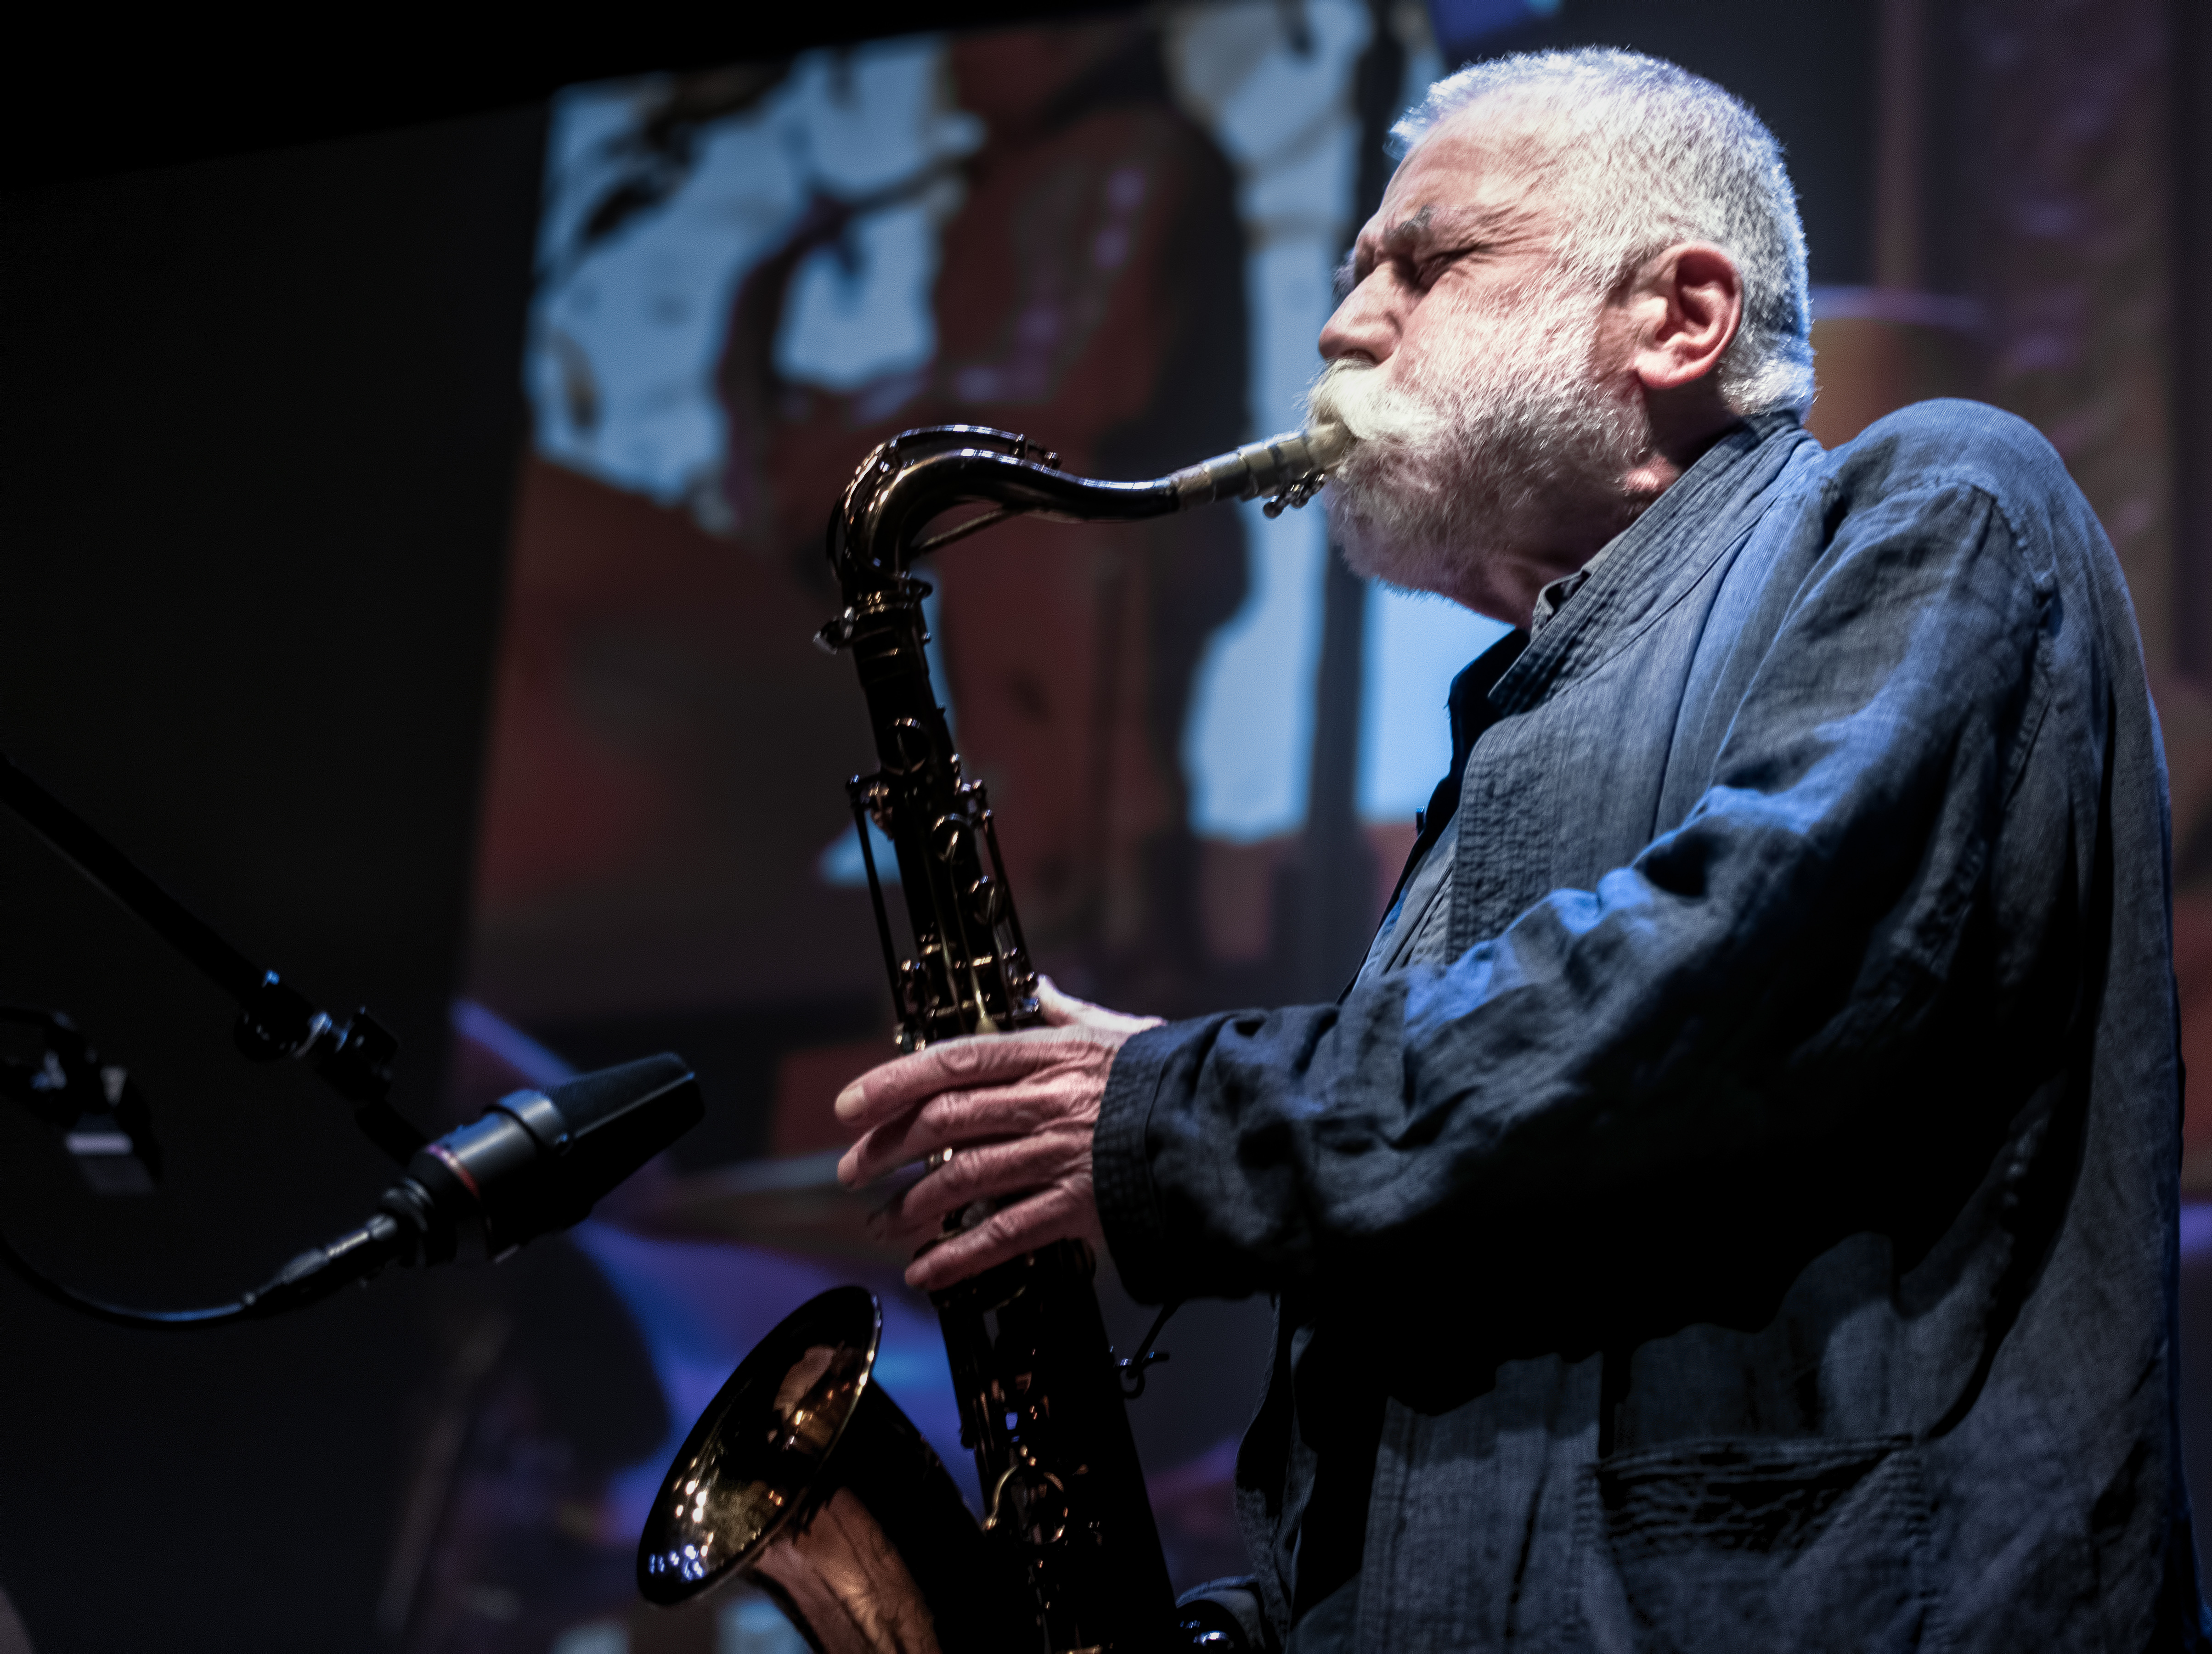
[1290, 468]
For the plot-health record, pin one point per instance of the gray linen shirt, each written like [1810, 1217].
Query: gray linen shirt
[1417, 930]
[1757, 1229]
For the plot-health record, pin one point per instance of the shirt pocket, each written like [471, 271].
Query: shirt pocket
[1725, 1545]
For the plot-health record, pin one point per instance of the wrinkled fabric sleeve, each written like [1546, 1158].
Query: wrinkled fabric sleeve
[1803, 918]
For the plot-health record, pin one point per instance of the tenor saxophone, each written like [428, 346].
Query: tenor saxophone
[802, 1474]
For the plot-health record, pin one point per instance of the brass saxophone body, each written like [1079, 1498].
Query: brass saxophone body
[802, 1473]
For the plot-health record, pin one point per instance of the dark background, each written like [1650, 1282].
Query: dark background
[259, 439]
[261, 421]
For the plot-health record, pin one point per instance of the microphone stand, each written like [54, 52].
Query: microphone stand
[533, 1162]
[276, 1020]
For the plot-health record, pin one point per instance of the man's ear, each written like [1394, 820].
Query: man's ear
[1689, 301]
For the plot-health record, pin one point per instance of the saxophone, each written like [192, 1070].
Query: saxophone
[802, 1474]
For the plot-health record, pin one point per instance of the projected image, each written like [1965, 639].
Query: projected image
[1114, 239]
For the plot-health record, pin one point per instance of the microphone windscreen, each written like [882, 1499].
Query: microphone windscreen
[589, 1099]
[620, 1117]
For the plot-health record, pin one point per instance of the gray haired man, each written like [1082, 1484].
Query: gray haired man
[1735, 1208]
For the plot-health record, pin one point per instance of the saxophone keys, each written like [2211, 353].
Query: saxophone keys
[1031, 1502]
[987, 901]
[1296, 493]
[946, 835]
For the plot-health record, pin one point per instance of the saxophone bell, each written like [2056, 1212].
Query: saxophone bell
[805, 1476]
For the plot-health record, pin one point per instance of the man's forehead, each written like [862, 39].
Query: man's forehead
[1459, 182]
[1407, 227]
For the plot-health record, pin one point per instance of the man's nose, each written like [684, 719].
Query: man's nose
[1365, 325]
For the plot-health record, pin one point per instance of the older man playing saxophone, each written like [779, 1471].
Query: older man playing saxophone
[1734, 1208]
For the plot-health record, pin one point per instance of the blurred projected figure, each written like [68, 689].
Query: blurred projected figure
[1090, 295]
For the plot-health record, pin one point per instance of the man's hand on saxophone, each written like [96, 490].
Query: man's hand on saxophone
[996, 1117]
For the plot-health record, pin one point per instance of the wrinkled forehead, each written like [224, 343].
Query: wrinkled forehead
[1478, 176]
[1498, 151]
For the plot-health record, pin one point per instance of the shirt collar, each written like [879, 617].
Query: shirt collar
[1554, 598]
[1581, 620]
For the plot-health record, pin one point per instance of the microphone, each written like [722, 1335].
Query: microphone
[537, 1160]
[532, 1162]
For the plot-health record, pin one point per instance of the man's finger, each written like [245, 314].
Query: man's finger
[884, 1092]
[951, 1119]
[1064, 1010]
[1048, 1215]
[980, 1172]
[1061, 1009]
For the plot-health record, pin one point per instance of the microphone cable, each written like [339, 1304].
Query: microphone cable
[315, 1273]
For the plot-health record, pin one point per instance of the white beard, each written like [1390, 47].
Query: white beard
[1467, 454]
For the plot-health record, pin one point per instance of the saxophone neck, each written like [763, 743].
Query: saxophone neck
[883, 521]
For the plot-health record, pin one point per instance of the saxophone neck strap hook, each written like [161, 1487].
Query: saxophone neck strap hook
[1132, 1370]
